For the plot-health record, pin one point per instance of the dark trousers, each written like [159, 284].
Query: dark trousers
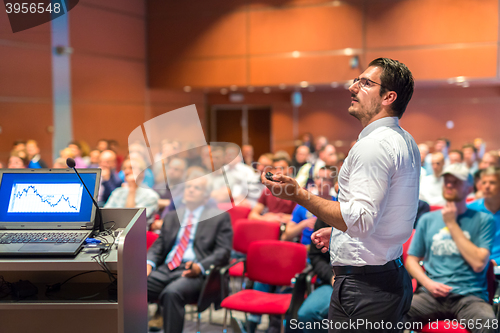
[474, 312]
[371, 302]
[173, 292]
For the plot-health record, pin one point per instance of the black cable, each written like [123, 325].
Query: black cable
[4, 285]
[57, 286]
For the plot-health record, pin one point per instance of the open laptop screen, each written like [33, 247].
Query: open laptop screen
[54, 196]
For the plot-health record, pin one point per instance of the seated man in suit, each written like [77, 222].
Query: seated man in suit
[187, 246]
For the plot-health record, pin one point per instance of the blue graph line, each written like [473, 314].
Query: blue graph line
[19, 195]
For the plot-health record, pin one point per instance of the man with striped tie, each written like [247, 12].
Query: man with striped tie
[191, 240]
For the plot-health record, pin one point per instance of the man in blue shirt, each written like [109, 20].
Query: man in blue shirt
[303, 221]
[454, 244]
[490, 203]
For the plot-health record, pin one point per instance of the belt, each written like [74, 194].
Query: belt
[368, 269]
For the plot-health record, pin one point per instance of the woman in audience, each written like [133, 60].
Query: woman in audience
[18, 159]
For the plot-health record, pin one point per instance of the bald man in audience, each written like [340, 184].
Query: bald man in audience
[431, 186]
[109, 176]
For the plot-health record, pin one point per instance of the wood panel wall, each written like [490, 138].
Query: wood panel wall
[251, 43]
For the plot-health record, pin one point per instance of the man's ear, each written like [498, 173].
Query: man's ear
[389, 98]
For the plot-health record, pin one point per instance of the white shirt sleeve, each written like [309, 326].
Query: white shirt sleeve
[370, 170]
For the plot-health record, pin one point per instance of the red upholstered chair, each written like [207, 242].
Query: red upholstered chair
[238, 213]
[225, 206]
[469, 200]
[270, 262]
[442, 325]
[150, 238]
[435, 207]
[244, 233]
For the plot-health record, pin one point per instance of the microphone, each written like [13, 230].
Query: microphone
[98, 224]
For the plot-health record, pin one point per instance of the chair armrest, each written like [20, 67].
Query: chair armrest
[225, 270]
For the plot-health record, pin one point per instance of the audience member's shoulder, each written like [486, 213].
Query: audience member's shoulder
[431, 216]
[476, 205]
[479, 215]
[215, 211]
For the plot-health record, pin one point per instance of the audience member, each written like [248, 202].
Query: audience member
[269, 207]
[237, 174]
[19, 145]
[302, 222]
[454, 245]
[299, 159]
[470, 157]
[220, 192]
[478, 192]
[319, 144]
[490, 158]
[191, 240]
[176, 174]
[66, 153]
[255, 186]
[18, 159]
[440, 146]
[94, 158]
[490, 204]
[424, 151]
[131, 194]
[35, 160]
[166, 152]
[149, 178]
[77, 154]
[109, 176]
[308, 140]
[456, 156]
[193, 156]
[60, 163]
[480, 146]
[306, 174]
[431, 186]
[316, 305]
[102, 145]
[282, 154]
[115, 146]
[247, 152]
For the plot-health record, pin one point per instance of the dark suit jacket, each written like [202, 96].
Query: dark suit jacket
[212, 243]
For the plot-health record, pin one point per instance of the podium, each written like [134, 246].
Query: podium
[85, 303]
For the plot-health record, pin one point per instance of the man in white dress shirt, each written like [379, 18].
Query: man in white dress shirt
[431, 186]
[376, 208]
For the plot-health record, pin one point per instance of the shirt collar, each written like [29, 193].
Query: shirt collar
[196, 214]
[383, 122]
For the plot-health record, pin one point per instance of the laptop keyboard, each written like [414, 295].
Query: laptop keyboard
[42, 237]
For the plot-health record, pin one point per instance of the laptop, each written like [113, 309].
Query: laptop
[46, 212]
